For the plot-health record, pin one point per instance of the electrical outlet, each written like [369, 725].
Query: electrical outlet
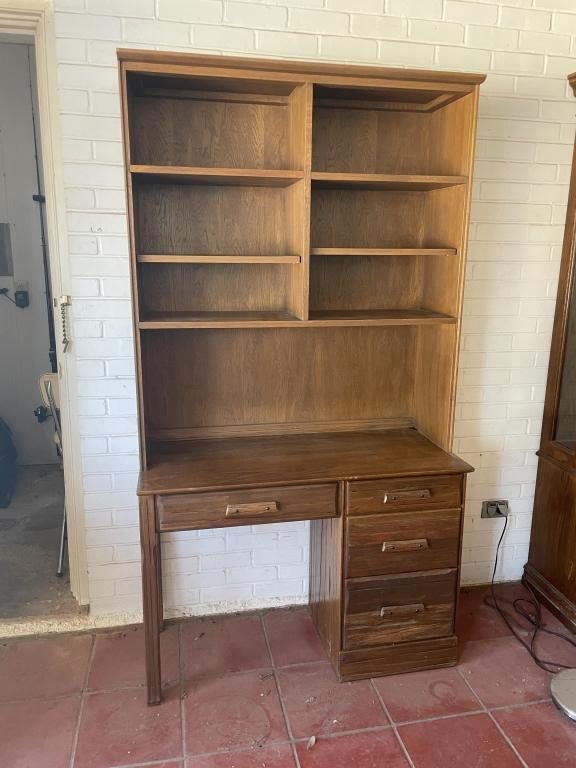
[495, 508]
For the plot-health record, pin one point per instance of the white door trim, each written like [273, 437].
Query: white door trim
[35, 18]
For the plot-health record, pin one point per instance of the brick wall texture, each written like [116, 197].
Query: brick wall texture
[523, 154]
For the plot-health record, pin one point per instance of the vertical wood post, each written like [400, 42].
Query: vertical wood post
[149, 543]
[160, 592]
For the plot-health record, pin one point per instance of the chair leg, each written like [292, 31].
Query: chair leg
[63, 540]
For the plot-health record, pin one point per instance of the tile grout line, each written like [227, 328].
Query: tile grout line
[392, 724]
[493, 720]
[279, 690]
[82, 700]
[280, 697]
[300, 663]
[507, 739]
[135, 687]
[266, 640]
[295, 754]
[547, 700]
[351, 732]
[433, 719]
[150, 764]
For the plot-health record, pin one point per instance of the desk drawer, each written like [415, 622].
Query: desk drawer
[396, 609]
[402, 541]
[367, 497]
[250, 507]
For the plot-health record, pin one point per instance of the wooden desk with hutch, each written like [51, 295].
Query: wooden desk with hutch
[298, 237]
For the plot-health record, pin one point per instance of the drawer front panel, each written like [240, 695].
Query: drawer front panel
[368, 497]
[250, 507]
[401, 542]
[397, 609]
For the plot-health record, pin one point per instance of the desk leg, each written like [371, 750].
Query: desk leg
[149, 540]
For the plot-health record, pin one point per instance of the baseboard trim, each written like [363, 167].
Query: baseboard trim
[551, 597]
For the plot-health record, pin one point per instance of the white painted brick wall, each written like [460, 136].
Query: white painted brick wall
[525, 136]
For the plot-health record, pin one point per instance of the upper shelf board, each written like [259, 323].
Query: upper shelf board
[383, 251]
[238, 177]
[377, 181]
[393, 99]
[150, 258]
[319, 318]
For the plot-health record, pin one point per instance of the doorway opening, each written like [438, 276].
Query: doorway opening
[34, 574]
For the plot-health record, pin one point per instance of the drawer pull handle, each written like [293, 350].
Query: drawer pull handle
[254, 508]
[409, 545]
[402, 610]
[423, 493]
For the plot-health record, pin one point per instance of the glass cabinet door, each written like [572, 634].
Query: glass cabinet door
[565, 432]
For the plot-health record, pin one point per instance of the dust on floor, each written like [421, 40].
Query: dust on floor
[29, 539]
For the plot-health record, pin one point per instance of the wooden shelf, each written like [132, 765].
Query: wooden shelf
[238, 177]
[318, 318]
[383, 251]
[379, 317]
[168, 320]
[145, 258]
[389, 181]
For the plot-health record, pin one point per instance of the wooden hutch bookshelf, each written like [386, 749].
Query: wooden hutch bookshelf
[298, 239]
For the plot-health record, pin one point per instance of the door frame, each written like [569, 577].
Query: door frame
[34, 19]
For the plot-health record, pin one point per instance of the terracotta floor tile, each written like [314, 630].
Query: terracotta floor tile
[478, 621]
[44, 668]
[369, 749]
[293, 637]
[274, 756]
[318, 705]
[458, 742]
[552, 622]
[38, 733]
[118, 728]
[552, 648]
[118, 659]
[501, 672]
[432, 693]
[541, 733]
[213, 646]
[234, 711]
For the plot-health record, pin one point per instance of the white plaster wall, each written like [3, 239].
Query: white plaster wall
[24, 338]
[525, 136]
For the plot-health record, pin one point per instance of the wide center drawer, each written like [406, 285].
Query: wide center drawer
[246, 507]
[402, 541]
[366, 497]
[396, 609]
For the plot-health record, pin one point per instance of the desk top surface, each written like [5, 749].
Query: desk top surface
[252, 462]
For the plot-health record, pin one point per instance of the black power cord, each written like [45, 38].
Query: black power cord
[533, 617]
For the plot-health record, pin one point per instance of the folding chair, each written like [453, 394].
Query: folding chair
[50, 393]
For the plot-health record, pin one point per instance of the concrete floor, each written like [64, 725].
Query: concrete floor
[29, 539]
